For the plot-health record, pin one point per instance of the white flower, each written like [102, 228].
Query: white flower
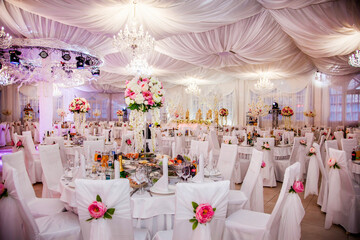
[144, 87]
[132, 101]
[151, 84]
[139, 99]
[156, 98]
[127, 101]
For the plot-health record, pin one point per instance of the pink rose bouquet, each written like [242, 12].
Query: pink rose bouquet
[227, 141]
[333, 163]
[97, 209]
[266, 146]
[79, 105]
[263, 164]
[3, 191]
[312, 151]
[223, 112]
[203, 214]
[297, 187]
[303, 142]
[119, 113]
[19, 144]
[128, 142]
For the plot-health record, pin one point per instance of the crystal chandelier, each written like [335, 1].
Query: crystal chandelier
[5, 39]
[192, 88]
[264, 84]
[133, 39]
[5, 77]
[354, 59]
[139, 66]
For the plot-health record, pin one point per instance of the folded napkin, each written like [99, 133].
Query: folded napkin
[79, 172]
[163, 183]
[199, 178]
[117, 169]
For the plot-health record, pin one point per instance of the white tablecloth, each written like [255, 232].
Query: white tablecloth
[355, 169]
[70, 149]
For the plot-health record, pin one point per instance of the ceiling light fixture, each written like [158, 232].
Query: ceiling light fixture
[354, 59]
[139, 66]
[134, 40]
[264, 84]
[192, 88]
[5, 39]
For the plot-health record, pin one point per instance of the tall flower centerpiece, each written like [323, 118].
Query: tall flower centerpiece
[287, 112]
[310, 115]
[120, 115]
[223, 112]
[258, 109]
[28, 112]
[79, 106]
[61, 113]
[144, 94]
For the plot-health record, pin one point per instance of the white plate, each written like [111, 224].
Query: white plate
[213, 174]
[280, 145]
[171, 190]
[71, 184]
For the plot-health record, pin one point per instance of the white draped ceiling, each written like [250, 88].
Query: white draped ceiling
[213, 40]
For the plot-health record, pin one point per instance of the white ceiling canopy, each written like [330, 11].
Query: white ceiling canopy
[213, 41]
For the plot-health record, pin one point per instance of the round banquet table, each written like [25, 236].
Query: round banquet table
[71, 149]
[156, 212]
[243, 161]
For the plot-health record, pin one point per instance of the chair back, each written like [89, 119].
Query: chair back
[338, 136]
[114, 194]
[29, 157]
[261, 141]
[215, 194]
[233, 139]
[226, 163]
[214, 143]
[90, 147]
[330, 144]
[60, 141]
[51, 165]
[309, 140]
[348, 145]
[294, 156]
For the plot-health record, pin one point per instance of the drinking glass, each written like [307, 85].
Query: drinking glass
[186, 171]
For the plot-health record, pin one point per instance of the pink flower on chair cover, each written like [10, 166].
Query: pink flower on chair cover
[312, 151]
[297, 187]
[19, 144]
[263, 164]
[333, 163]
[97, 209]
[3, 191]
[203, 214]
[303, 142]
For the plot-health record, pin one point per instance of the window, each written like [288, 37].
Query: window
[352, 101]
[335, 104]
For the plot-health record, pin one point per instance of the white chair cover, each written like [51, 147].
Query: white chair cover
[52, 169]
[312, 177]
[329, 144]
[348, 145]
[179, 145]
[90, 147]
[215, 194]
[343, 205]
[338, 136]
[64, 225]
[127, 148]
[226, 163]
[2, 134]
[38, 206]
[233, 139]
[29, 159]
[35, 131]
[261, 141]
[324, 187]
[283, 223]
[10, 219]
[61, 142]
[120, 226]
[309, 140]
[268, 172]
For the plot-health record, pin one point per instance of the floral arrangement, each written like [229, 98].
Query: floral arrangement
[297, 187]
[3, 129]
[97, 209]
[203, 214]
[144, 94]
[79, 105]
[61, 112]
[179, 134]
[6, 112]
[28, 108]
[3, 191]
[119, 113]
[303, 142]
[310, 114]
[312, 151]
[97, 113]
[258, 109]
[128, 142]
[223, 112]
[227, 141]
[266, 146]
[19, 144]
[287, 111]
[263, 164]
[333, 163]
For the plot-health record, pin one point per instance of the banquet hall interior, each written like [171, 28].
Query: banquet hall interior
[196, 119]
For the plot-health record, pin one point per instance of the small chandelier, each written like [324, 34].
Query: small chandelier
[264, 84]
[133, 39]
[5, 77]
[5, 39]
[139, 66]
[192, 88]
[354, 59]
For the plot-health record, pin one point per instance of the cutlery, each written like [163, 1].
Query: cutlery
[150, 193]
[132, 193]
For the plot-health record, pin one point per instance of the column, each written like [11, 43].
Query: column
[44, 92]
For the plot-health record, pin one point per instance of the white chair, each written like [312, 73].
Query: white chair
[283, 223]
[268, 173]
[348, 145]
[90, 147]
[261, 141]
[38, 206]
[60, 141]
[309, 140]
[32, 161]
[252, 188]
[343, 205]
[199, 147]
[329, 144]
[281, 165]
[120, 226]
[63, 225]
[52, 170]
[312, 177]
[324, 186]
[233, 139]
[215, 194]
[179, 145]
[338, 136]
[226, 162]
[3, 128]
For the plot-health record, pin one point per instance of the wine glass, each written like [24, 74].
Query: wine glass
[141, 176]
[179, 171]
[186, 171]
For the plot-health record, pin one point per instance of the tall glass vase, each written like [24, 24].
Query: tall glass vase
[287, 121]
[79, 118]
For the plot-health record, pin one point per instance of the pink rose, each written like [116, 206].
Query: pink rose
[298, 186]
[263, 164]
[266, 145]
[19, 144]
[145, 80]
[147, 95]
[151, 102]
[56, 127]
[97, 209]
[312, 150]
[331, 162]
[204, 213]
[2, 188]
